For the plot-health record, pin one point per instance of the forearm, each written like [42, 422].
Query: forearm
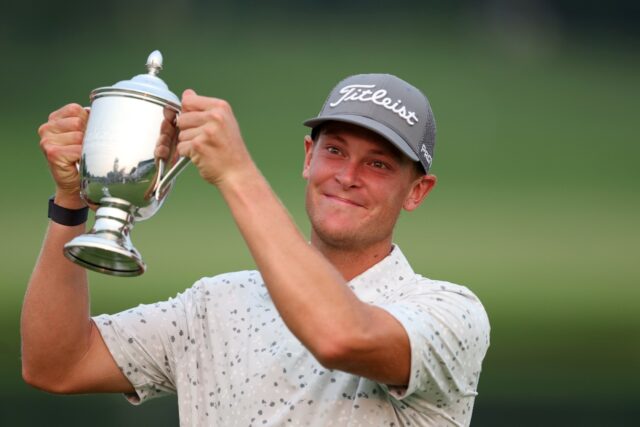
[309, 293]
[55, 323]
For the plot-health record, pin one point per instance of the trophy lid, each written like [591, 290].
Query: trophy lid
[147, 84]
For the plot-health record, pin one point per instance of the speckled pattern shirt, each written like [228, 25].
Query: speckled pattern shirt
[223, 347]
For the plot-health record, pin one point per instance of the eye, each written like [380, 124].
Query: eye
[379, 164]
[333, 150]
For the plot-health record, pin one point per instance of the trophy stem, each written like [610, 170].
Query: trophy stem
[107, 248]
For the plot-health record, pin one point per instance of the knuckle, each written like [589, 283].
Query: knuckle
[76, 123]
[197, 145]
[75, 108]
[76, 138]
[43, 129]
[223, 104]
[209, 129]
[163, 141]
[214, 115]
[77, 152]
[180, 121]
[44, 144]
[161, 152]
[50, 152]
[183, 149]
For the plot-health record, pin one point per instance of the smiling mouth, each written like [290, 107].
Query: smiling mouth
[343, 200]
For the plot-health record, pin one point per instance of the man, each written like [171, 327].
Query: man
[338, 331]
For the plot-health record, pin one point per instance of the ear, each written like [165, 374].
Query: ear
[308, 152]
[419, 191]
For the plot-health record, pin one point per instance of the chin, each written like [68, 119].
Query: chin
[342, 241]
[344, 237]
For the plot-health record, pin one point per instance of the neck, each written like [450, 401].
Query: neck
[352, 262]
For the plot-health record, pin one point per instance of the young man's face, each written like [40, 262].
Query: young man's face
[357, 184]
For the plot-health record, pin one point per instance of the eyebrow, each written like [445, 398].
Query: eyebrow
[336, 136]
[390, 151]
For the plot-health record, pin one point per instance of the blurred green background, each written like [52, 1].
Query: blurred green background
[536, 209]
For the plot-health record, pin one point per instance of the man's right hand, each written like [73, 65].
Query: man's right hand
[61, 142]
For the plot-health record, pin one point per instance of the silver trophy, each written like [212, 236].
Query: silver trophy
[128, 165]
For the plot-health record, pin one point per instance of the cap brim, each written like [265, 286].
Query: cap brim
[370, 124]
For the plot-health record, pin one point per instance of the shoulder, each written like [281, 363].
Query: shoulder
[438, 296]
[232, 283]
[238, 278]
[449, 334]
[441, 287]
[419, 286]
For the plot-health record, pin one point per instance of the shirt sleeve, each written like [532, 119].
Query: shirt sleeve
[448, 331]
[143, 342]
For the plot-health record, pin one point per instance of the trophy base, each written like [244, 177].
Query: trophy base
[104, 256]
[107, 247]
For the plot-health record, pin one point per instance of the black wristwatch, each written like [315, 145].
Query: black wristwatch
[65, 216]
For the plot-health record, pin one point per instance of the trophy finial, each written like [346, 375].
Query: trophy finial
[154, 62]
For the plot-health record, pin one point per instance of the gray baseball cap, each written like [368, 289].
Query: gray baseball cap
[388, 106]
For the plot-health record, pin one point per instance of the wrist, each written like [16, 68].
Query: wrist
[67, 216]
[69, 201]
[239, 179]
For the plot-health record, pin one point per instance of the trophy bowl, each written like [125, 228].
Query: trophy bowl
[128, 164]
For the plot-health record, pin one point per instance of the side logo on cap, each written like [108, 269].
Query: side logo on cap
[363, 93]
[425, 153]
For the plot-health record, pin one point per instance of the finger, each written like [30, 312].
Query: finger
[193, 119]
[162, 152]
[169, 114]
[189, 134]
[69, 110]
[194, 102]
[68, 138]
[67, 124]
[63, 156]
[187, 101]
[189, 92]
[184, 148]
[71, 153]
[163, 147]
[168, 127]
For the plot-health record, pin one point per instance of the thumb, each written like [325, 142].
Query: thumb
[187, 99]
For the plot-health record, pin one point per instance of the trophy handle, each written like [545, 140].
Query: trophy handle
[164, 181]
[86, 108]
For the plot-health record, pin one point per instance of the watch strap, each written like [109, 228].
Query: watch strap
[64, 216]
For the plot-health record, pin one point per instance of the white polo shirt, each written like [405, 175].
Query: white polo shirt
[223, 347]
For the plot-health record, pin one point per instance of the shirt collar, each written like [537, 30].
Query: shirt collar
[384, 276]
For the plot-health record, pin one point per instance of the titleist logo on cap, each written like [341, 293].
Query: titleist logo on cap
[364, 93]
[383, 103]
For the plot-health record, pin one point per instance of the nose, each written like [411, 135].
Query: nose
[348, 175]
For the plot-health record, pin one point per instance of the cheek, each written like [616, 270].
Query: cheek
[394, 201]
[316, 174]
